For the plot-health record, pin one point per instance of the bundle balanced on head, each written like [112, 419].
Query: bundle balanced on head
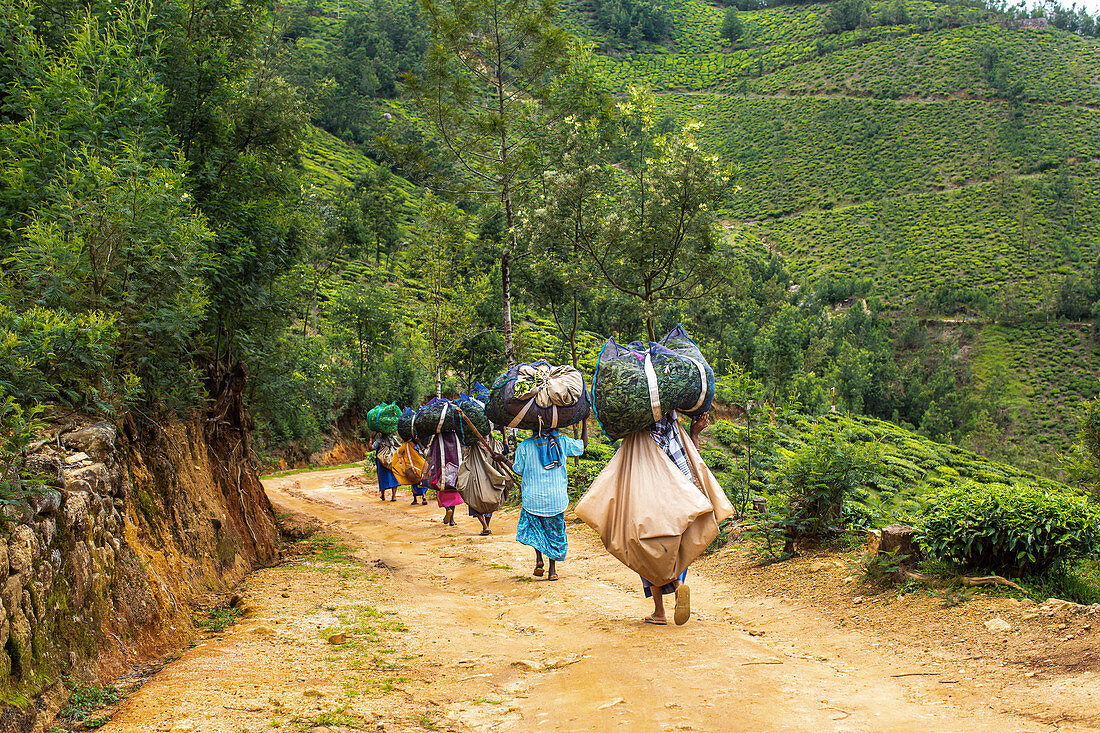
[382, 422]
[656, 505]
[448, 423]
[543, 399]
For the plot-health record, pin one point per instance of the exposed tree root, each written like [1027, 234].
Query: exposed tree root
[965, 580]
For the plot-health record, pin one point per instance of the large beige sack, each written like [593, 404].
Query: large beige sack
[651, 516]
[483, 485]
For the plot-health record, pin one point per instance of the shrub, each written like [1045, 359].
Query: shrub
[1019, 528]
[827, 471]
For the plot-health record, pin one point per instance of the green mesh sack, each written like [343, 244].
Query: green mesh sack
[383, 418]
[635, 385]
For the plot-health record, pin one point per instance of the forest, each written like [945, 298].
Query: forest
[884, 211]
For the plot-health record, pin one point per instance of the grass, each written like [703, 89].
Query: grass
[311, 469]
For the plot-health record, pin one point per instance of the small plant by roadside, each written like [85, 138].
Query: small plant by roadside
[85, 699]
[218, 619]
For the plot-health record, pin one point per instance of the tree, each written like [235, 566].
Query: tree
[442, 307]
[641, 208]
[847, 15]
[489, 63]
[731, 25]
[361, 309]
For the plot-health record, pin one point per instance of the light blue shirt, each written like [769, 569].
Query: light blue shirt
[544, 492]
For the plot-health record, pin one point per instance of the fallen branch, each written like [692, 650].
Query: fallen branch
[917, 674]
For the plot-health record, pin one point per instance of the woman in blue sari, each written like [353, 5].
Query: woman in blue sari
[544, 490]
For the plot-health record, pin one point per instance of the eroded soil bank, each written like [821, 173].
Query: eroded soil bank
[446, 630]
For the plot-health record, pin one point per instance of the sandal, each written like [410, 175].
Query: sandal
[552, 576]
[655, 621]
[539, 571]
[485, 533]
[683, 604]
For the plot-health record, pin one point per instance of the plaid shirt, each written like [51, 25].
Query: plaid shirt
[667, 437]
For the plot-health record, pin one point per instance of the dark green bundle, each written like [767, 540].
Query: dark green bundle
[443, 416]
[620, 387]
[405, 424]
[383, 418]
[474, 410]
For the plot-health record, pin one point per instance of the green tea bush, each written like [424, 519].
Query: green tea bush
[1019, 528]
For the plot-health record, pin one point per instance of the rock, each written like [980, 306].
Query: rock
[22, 548]
[527, 665]
[235, 601]
[1052, 606]
[48, 468]
[47, 529]
[76, 512]
[44, 503]
[96, 440]
[857, 600]
[284, 594]
[76, 458]
[338, 638]
[874, 537]
[817, 567]
[898, 540]
[95, 476]
[997, 624]
[264, 631]
[1029, 613]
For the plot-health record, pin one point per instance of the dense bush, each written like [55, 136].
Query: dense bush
[832, 467]
[1018, 528]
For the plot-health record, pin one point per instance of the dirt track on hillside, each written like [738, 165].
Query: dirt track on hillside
[448, 631]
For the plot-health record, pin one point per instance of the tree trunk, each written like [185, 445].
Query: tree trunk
[506, 291]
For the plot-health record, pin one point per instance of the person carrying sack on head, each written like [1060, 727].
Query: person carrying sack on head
[384, 447]
[666, 435]
[544, 491]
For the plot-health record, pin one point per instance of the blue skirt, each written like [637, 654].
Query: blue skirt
[667, 588]
[419, 490]
[386, 479]
[545, 534]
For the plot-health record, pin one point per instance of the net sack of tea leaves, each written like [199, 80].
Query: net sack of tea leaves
[480, 393]
[383, 418]
[635, 386]
[405, 424]
[474, 409]
[538, 396]
[445, 416]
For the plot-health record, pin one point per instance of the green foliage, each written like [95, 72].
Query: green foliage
[85, 699]
[1018, 528]
[632, 21]
[830, 469]
[218, 619]
[732, 28]
[640, 207]
[18, 427]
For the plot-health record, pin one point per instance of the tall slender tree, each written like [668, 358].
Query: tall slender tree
[489, 64]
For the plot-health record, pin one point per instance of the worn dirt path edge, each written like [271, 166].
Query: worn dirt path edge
[487, 648]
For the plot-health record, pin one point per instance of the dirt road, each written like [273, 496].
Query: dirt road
[447, 630]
